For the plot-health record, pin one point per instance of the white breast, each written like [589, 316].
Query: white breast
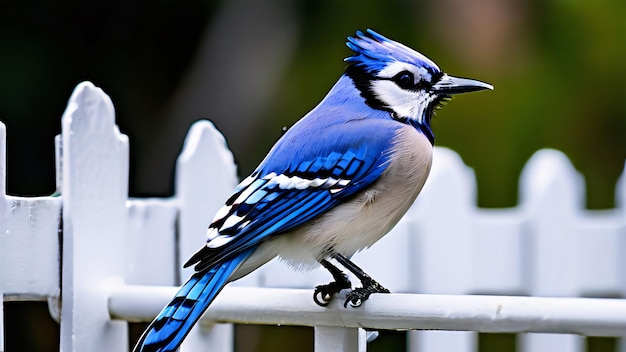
[356, 225]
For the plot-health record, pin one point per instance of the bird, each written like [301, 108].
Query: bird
[333, 184]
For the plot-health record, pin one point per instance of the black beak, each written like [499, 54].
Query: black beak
[449, 85]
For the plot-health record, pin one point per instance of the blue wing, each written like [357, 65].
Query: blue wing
[297, 182]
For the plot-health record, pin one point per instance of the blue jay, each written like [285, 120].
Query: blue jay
[334, 183]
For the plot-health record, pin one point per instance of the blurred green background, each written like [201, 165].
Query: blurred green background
[558, 67]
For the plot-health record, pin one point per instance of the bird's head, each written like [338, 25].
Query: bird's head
[398, 79]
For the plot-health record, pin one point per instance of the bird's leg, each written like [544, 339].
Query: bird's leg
[325, 292]
[357, 296]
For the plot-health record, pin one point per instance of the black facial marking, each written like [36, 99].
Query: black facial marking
[362, 81]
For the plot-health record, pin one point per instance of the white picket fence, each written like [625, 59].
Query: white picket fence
[477, 270]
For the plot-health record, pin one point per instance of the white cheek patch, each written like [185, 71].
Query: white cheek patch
[405, 103]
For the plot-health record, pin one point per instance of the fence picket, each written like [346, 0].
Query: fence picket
[442, 223]
[339, 339]
[551, 195]
[95, 188]
[205, 176]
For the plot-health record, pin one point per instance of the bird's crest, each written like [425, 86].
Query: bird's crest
[373, 52]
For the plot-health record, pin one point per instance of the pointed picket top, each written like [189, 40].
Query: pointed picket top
[206, 174]
[206, 145]
[550, 179]
[89, 105]
[89, 122]
[93, 152]
[450, 183]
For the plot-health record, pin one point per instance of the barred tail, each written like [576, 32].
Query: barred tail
[169, 328]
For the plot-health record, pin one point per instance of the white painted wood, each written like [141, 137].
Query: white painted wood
[551, 342]
[340, 339]
[205, 176]
[31, 249]
[585, 316]
[442, 224]
[453, 341]
[620, 202]
[95, 188]
[151, 242]
[499, 253]
[600, 250]
[441, 221]
[219, 337]
[551, 195]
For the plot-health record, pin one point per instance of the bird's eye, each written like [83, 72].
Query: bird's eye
[404, 80]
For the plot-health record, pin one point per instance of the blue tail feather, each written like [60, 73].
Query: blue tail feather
[169, 328]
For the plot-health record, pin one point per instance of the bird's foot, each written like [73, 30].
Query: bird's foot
[359, 295]
[323, 293]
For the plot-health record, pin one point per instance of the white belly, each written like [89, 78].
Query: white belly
[356, 225]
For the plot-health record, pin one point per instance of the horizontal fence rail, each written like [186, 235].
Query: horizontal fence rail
[512, 314]
[103, 259]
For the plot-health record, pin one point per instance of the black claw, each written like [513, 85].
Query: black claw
[359, 295]
[355, 297]
[325, 292]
